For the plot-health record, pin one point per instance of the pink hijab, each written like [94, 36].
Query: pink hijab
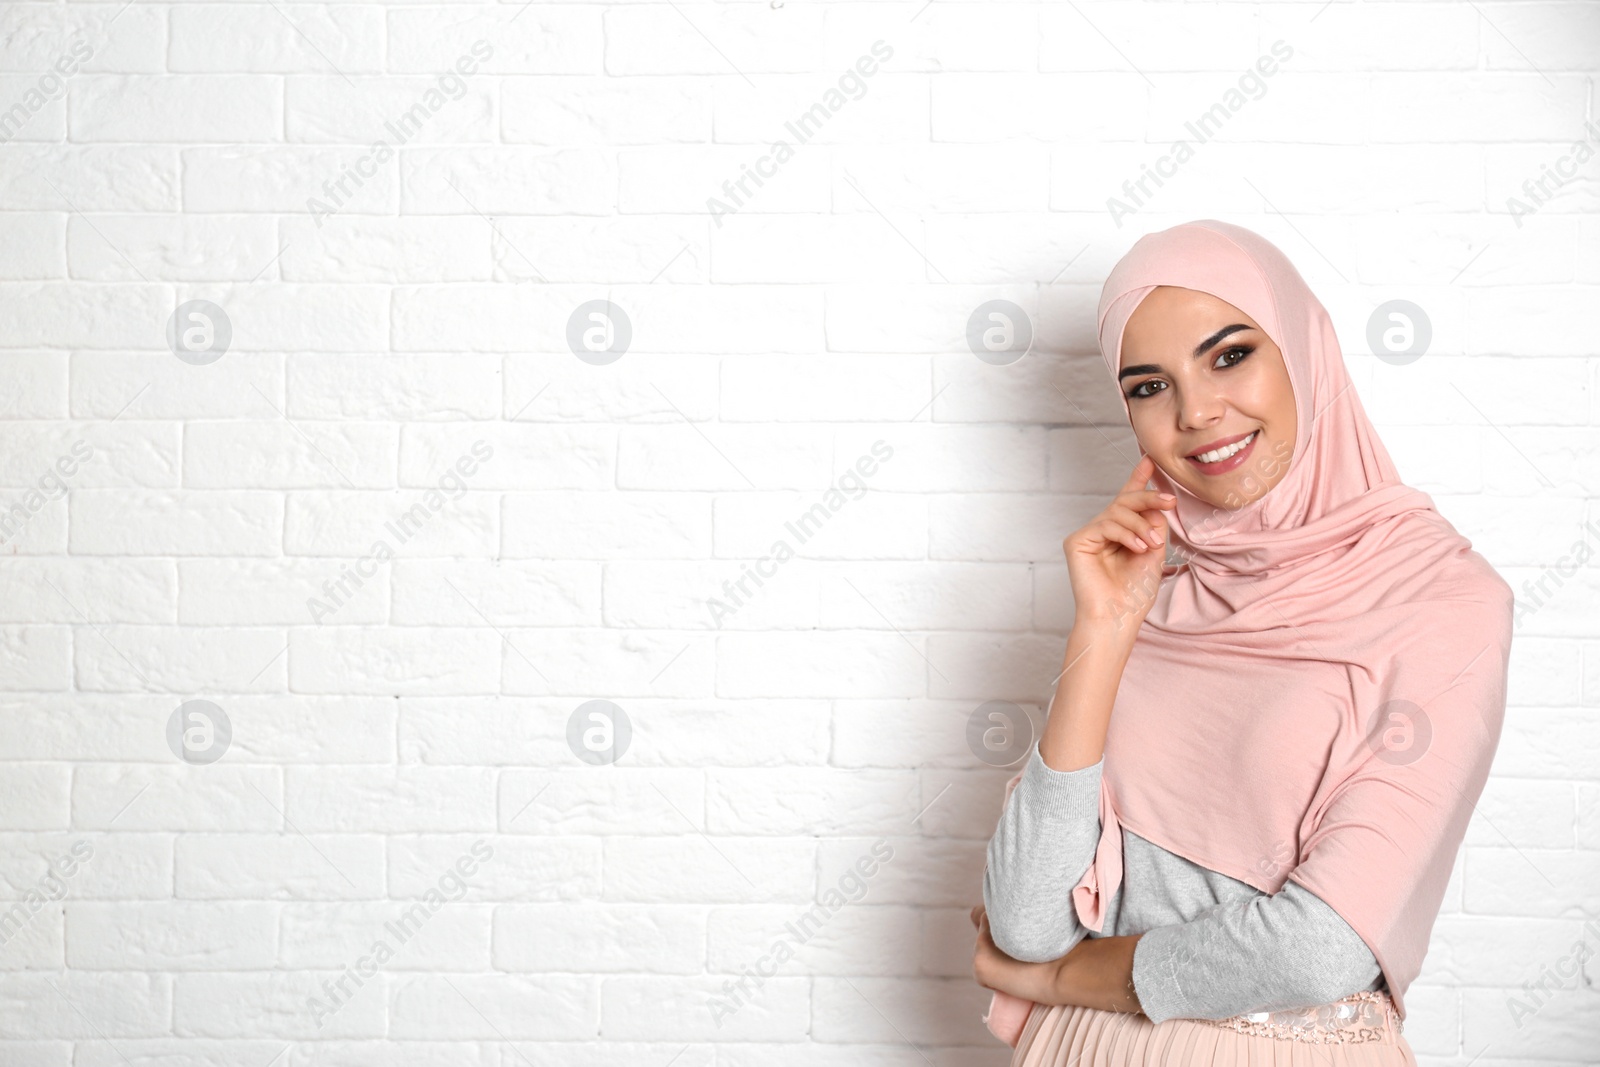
[1317, 693]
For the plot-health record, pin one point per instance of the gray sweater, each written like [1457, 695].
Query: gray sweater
[1213, 946]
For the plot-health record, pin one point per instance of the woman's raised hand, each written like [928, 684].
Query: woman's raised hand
[1115, 560]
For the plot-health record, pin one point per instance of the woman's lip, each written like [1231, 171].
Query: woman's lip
[1221, 442]
[1233, 461]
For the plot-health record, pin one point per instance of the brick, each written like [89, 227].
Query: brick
[172, 936]
[279, 866]
[176, 107]
[292, 39]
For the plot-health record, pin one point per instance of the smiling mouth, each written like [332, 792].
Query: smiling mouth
[1226, 457]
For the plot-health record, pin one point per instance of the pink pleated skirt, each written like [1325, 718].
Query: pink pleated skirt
[1357, 1031]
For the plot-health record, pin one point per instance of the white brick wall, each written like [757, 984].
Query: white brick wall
[398, 628]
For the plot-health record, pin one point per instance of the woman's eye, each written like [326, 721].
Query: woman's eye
[1151, 386]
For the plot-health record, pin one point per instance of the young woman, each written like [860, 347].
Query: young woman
[1234, 835]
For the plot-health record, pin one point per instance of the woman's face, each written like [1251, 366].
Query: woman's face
[1200, 377]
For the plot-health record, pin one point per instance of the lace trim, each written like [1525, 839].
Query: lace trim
[1359, 1018]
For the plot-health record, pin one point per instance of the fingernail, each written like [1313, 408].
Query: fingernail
[1140, 542]
[1168, 496]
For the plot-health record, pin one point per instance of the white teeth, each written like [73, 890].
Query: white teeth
[1220, 454]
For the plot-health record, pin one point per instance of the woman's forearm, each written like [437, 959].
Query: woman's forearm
[1267, 953]
[1098, 973]
[1075, 728]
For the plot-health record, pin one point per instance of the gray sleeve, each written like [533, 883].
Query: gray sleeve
[1288, 950]
[1042, 846]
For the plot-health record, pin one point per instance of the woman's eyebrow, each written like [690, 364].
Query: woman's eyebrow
[1199, 350]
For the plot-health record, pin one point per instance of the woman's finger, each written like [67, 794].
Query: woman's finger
[1124, 535]
[1136, 522]
[1112, 530]
[1142, 499]
[1148, 523]
[1141, 473]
